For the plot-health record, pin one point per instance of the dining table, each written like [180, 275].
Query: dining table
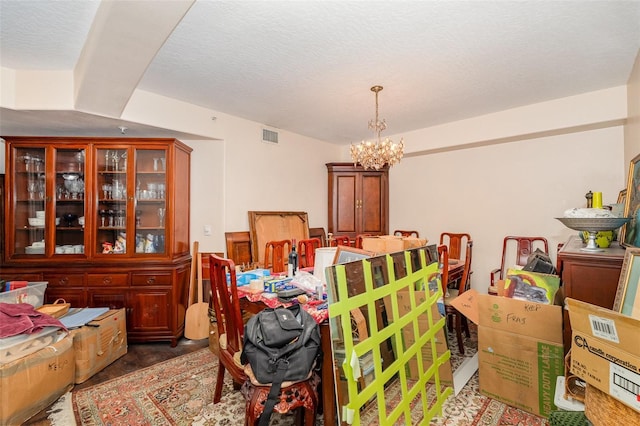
[455, 268]
[255, 302]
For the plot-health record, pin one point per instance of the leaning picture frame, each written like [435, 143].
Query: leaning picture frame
[622, 196]
[631, 231]
[627, 299]
[622, 200]
[346, 254]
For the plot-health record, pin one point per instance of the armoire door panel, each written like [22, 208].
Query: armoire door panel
[371, 204]
[346, 205]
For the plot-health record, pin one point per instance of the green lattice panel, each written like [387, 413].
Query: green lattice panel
[415, 284]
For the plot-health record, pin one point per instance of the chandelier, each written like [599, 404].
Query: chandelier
[375, 154]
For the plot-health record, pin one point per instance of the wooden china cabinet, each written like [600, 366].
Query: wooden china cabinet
[358, 200]
[105, 221]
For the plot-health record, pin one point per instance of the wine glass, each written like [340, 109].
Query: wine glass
[103, 215]
[106, 190]
[111, 214]
[40, 189]
[69, 218]
[115, 157]
[120, 218]
[32, 187]
[161, 213]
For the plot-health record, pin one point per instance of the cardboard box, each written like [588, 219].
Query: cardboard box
[520, 349]
[99, 343]
[391, 243]
[605, 351]
[32, 383]
[408, 337]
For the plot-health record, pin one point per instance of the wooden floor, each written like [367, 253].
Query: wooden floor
[139, 355]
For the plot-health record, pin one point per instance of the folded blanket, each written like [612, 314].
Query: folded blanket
[23, 318]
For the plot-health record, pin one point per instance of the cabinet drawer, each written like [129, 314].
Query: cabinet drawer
[151, 279]
[111, 280]
[64, 280]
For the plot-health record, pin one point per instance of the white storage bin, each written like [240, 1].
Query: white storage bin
[32, 294]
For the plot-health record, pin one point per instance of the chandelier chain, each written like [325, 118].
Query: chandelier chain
[377, 154]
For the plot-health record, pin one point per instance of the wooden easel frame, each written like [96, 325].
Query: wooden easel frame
[267, 226]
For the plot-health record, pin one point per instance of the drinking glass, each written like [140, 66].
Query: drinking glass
[106, 189]
[116, 159]
[161, 212]
[41, 190]
[32, 187]
[103, 215]
[111, 214]
[120, 218]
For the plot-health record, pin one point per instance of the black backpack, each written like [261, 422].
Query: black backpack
[281, 344]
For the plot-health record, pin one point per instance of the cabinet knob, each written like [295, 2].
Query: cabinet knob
[151, 280]
[107, 280]
[63, 281]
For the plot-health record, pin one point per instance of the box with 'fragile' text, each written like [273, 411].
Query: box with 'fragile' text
[520, 351]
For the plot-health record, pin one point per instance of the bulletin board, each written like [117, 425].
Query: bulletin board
[275, 226]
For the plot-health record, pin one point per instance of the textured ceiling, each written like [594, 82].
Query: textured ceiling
[307, 66]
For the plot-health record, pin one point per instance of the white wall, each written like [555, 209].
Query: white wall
[515, 188]
[242, 173]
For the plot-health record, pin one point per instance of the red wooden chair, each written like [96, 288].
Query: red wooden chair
[226, 306]
[451, 292]
[307, 251]
[401, 233]
[276, 255]
[455, 243]
[299, 396]
[524, 246]
[340, 240]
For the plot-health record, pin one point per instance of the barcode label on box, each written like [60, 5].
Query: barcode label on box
[624, 385]
[604, 328]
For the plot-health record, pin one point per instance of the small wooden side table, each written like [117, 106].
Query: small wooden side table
[588, 276]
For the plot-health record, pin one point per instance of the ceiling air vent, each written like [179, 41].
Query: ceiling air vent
[269, 136]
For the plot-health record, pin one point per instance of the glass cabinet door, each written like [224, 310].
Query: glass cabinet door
[111, 215]
[30, 201]
[69, 201]
[150, 194]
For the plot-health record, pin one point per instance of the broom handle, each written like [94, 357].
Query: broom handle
[199, 277]
[192, 280]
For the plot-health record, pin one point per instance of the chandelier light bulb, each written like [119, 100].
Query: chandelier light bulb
[377, 153]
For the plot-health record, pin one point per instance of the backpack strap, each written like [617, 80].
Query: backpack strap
[274, 392]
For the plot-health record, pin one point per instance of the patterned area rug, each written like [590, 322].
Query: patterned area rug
[180, 391]
[469, 407]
